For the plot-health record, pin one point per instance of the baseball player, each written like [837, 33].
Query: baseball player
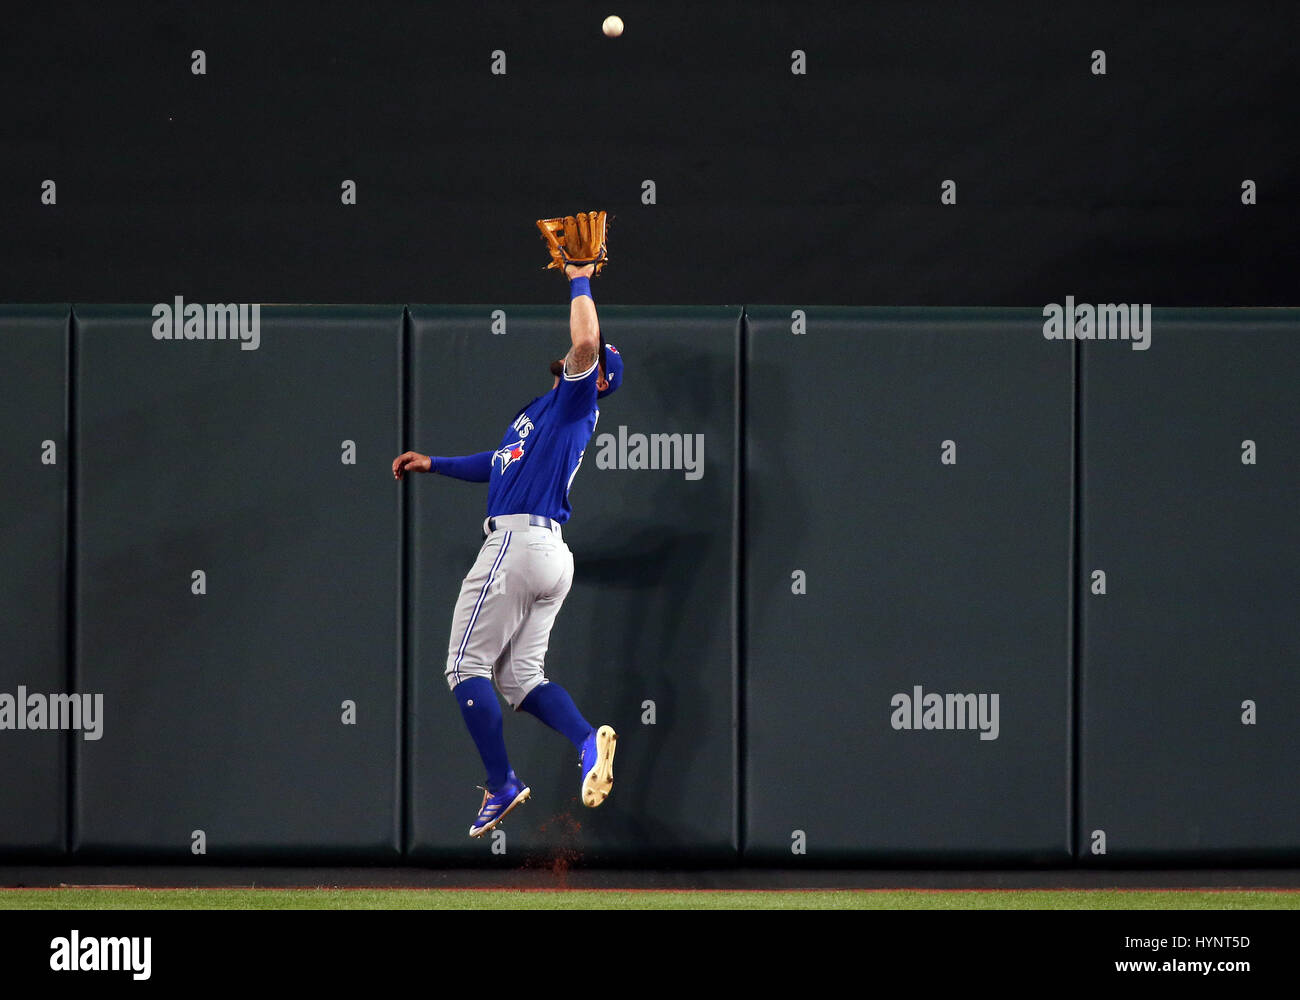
[509, 599]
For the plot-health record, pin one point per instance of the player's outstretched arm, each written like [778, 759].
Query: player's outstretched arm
[584, 327]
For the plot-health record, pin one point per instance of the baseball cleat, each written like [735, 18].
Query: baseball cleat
[597, 763]
[495, 807]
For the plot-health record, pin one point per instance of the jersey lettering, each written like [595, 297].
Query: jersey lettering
[523, 425]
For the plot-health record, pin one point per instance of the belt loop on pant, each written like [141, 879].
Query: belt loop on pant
[518, 522]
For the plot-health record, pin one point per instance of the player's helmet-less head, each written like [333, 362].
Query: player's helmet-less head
[613, 370]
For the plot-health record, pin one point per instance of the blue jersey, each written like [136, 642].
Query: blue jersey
[542, 449]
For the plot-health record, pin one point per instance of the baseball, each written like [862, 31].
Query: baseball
[613, 26]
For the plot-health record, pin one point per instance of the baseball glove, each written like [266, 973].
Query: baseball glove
[576, 239]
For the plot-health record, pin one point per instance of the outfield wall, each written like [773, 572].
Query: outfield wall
[856, 586]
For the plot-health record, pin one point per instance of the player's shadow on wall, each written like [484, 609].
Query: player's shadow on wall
[670, 568]
[667, 645]
[659, 652]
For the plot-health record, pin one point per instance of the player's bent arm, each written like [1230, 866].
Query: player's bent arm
[472, 468]
[410, 461]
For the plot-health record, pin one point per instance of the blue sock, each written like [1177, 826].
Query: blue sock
[482, 713]
[552, 704]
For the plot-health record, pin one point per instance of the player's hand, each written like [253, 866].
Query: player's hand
[410, 461]
[572, 271]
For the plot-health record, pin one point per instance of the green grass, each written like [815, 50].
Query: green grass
[77, 898]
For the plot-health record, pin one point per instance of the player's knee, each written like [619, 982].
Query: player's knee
[519, 685]
[460, 667]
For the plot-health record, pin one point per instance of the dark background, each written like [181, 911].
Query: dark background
[1121, 713]
[816, 189]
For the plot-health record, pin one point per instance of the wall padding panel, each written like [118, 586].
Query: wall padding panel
[33, 636]
[1190, 688]
[907, 539]
[259, 702]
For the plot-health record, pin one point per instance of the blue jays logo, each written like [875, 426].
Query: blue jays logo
[508, 455]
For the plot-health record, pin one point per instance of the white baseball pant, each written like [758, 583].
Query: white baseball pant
[502, 623]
